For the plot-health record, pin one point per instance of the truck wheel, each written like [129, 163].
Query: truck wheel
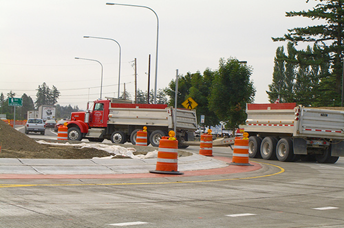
[268, 148]
[254, 143]
[284, 150]
[155, 137]
[326, 157]
[74, 134]
[118, 137]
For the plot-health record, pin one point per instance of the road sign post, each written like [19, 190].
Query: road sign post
[12, 101]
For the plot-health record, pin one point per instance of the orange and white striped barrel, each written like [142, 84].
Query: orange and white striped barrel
[62, 133]
[167, 161]
[206, 145]
[141, 138]
[240, 152]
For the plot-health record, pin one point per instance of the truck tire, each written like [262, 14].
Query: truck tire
[284, 150]
[254, 143]
[326, 157]
[74, 134]
[133, 136]
[268, 148]
[155, 137]
[118, 137]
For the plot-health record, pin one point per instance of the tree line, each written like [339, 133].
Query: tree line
[314, 76]
[45, 96]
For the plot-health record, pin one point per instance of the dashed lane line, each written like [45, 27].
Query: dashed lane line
[128, 223]
[325, 208]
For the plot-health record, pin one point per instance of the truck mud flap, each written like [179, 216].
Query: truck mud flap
[300, 146]
[337, 148]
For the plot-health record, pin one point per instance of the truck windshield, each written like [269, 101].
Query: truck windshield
[99, 107]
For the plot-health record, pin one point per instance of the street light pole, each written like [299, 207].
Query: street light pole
[157, 42]
[101, 78]
[119, 64]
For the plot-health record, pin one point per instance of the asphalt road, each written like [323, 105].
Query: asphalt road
[296, 194]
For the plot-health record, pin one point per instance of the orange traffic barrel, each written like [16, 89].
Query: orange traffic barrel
[206, 145]
[141, 138]
[167, 161]
[240, 152]
[62, 133]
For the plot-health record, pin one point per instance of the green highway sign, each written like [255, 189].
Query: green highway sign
[15, 101]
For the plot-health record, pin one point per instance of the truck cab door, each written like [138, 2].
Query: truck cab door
[99, 115]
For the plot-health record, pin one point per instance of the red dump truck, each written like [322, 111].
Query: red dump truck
[120, 122]
[287, 131]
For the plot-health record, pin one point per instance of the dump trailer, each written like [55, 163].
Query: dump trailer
[288, 132]
[120, 122]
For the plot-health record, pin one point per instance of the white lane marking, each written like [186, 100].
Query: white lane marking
[128, 223]
[325, 208]
[240, 215]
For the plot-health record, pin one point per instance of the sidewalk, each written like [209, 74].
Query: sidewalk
[100, 166]
[194, 165]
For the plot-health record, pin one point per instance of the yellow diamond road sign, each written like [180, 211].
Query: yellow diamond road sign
[189, 103]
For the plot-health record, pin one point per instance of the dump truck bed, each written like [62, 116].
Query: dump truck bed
[296, 121]
[186, 119]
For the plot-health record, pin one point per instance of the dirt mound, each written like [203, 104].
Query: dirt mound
[17, 145]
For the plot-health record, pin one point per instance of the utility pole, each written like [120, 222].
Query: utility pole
[135, 82]
[149, 64]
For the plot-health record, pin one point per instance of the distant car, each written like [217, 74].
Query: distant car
[50, 123]
[35, 125]
[59, 123]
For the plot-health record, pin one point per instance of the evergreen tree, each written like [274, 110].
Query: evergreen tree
[282, 87]
[329, 38]
[28, 105]
[45, 96]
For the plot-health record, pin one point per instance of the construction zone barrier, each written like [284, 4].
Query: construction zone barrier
[62, 133]
[206, 144]
[167, 161]
[141, 138]
[240, 151]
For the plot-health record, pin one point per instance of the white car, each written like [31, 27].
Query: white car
[35, 125]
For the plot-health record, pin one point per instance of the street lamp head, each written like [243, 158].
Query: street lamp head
[111, 4]
[76, 57]
[86, 36]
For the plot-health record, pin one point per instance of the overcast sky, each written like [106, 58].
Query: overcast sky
[39, 40]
